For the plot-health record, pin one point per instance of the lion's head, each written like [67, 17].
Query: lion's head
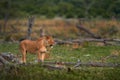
[49, 41]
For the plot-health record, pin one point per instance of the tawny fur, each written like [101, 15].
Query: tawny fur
[38, 47]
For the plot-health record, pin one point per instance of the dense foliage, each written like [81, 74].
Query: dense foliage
[60, 8]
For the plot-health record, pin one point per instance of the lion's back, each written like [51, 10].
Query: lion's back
[28, 45]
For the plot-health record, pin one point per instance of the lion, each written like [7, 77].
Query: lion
[38, 47]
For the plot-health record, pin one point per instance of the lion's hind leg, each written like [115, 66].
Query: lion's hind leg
[23, 51]
[23, 56]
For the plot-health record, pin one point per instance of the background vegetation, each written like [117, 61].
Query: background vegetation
[61, 8]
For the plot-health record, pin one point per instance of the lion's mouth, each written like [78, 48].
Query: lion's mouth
[51, 46]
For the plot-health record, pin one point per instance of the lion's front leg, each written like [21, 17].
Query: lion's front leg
[42, 57]
[39, 56]
[43, 51]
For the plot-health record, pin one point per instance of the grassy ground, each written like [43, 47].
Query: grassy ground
[65, 53]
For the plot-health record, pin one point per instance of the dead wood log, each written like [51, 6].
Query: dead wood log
[3, 61]
[6, 63]
[64, 66]
[97, 38]
[61, 63]
[51, 67]
[80, 27]
[9, 57]
[60, 42]
[97, 64]
[87, 64]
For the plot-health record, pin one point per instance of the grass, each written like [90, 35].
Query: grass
[37, 73]
[61, 28]
[65, 53]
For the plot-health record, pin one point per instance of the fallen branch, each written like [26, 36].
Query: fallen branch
[64, 65]
[3, 61]
[9, 57]
[80, 27]
[87, 64]
[60, 42]
[97, 64]
[51, 67]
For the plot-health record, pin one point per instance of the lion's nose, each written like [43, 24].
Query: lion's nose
[51, 45]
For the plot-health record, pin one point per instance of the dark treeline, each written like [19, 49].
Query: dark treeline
[60, 8]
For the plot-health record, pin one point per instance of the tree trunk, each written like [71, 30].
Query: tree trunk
[42, 32]
[30, 25]
[7, 15]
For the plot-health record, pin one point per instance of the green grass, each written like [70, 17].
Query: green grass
[65, 54]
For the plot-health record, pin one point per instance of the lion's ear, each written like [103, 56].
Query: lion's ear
[47, 37]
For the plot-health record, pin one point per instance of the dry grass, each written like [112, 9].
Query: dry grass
[65, 28]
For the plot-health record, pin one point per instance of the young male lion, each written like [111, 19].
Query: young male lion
[38, 47]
